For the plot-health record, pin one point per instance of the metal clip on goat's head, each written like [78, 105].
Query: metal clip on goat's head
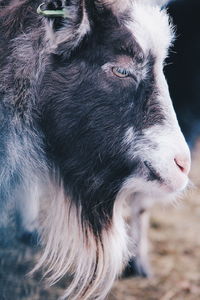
[62, 13]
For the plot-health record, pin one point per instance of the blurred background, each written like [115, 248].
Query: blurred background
[175, 231]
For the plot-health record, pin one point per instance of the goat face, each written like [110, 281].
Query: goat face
[107, 113]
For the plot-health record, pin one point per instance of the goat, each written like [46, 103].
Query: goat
[87, 124]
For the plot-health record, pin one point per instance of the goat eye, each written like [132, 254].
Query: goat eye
[120, 72]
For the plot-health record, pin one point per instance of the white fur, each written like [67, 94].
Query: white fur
[151, 29]
[138, 231]
[28, 207]
[71, 248]
[143, 244]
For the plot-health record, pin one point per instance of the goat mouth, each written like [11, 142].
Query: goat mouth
[153, 174]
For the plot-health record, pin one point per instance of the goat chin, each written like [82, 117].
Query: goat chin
[70, 247]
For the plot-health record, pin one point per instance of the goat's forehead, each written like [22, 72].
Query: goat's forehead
[151, 29]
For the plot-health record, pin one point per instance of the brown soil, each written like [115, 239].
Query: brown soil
[175, 257]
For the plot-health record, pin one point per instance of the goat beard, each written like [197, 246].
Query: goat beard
[71, 247]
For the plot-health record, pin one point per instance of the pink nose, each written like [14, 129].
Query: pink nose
[183, 163]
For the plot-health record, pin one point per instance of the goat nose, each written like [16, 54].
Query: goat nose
[183, 163]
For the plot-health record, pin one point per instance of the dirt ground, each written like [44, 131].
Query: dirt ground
[174, 251]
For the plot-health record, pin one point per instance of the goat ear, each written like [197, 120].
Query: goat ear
[66, 22]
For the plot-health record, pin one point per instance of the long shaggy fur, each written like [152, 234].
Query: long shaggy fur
[71, 247]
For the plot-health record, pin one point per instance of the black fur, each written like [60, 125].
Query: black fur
[136, 268]
[93, 118]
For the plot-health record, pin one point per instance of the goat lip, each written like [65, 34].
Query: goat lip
[153, 174]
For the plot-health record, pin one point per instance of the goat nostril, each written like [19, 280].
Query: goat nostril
[180, 167]
[183, 165]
